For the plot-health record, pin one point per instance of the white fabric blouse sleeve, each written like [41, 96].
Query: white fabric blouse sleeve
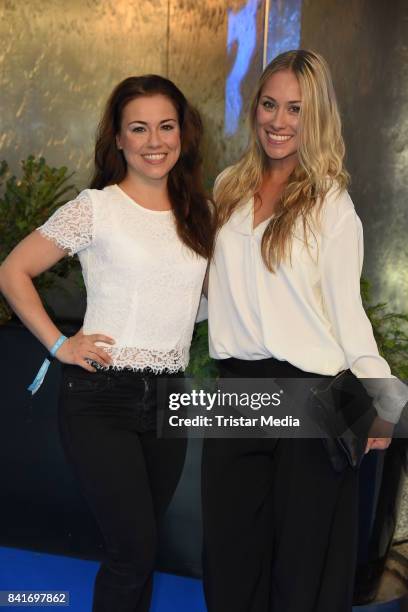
[71, 225]
[341, 261]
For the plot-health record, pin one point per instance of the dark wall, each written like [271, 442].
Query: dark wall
[365, 43]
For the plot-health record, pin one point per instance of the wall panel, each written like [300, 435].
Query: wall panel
[59, 62]
[367, 51]
[215, 56]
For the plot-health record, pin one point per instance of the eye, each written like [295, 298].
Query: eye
[295, 108]
[168, 126]
[137, 129]
[268, 104]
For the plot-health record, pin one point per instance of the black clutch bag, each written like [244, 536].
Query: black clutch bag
[344, 412]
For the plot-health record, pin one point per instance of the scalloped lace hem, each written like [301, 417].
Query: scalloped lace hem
[54, 237]
[149, 359]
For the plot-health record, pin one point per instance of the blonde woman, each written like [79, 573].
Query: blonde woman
[284, 301]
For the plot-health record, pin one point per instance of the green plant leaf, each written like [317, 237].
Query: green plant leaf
[25, 204]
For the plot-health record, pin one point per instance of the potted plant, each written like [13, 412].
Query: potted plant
[26, 203]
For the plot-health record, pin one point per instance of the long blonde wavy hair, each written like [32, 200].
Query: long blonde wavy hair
[320, 157]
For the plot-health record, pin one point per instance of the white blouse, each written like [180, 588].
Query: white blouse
[143, 284]
[309, 312]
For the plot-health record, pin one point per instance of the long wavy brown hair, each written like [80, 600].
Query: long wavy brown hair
[190, 204]
[320, 158]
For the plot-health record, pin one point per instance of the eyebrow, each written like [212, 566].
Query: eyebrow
[289, 102]
[146, 123]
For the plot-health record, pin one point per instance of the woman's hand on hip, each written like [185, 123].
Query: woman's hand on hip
[81, 347]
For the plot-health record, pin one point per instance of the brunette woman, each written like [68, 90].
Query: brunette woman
[284, 302]
[143, 233]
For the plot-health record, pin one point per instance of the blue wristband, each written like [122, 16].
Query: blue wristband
[38, 380]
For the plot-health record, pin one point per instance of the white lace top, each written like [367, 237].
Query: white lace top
[143, 284]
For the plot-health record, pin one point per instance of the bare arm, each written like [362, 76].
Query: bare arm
[32, 256]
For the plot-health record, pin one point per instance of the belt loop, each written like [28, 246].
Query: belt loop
[146, 386]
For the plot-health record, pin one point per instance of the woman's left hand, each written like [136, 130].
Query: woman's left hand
[377, 444]
[380, 435]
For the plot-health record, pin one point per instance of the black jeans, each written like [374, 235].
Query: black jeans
[127, 475]
[280, 524]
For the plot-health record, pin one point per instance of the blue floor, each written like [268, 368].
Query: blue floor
[22, 570]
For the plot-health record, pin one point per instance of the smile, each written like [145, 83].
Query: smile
[154, 157]
[277, 138]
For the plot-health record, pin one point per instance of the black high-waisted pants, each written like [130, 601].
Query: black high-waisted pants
[127, 475]
[280, 525]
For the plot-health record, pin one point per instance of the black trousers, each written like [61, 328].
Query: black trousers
[280, 525]
[127, 475]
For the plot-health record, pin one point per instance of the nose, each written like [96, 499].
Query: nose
[278, 119]
[154, 139]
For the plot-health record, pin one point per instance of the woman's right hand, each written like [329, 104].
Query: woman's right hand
[77, 349]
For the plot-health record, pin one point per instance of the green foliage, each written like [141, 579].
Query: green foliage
[390, 331]
[201, 366]
[25, 204]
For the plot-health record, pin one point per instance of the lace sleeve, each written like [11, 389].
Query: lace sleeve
[70, 227]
